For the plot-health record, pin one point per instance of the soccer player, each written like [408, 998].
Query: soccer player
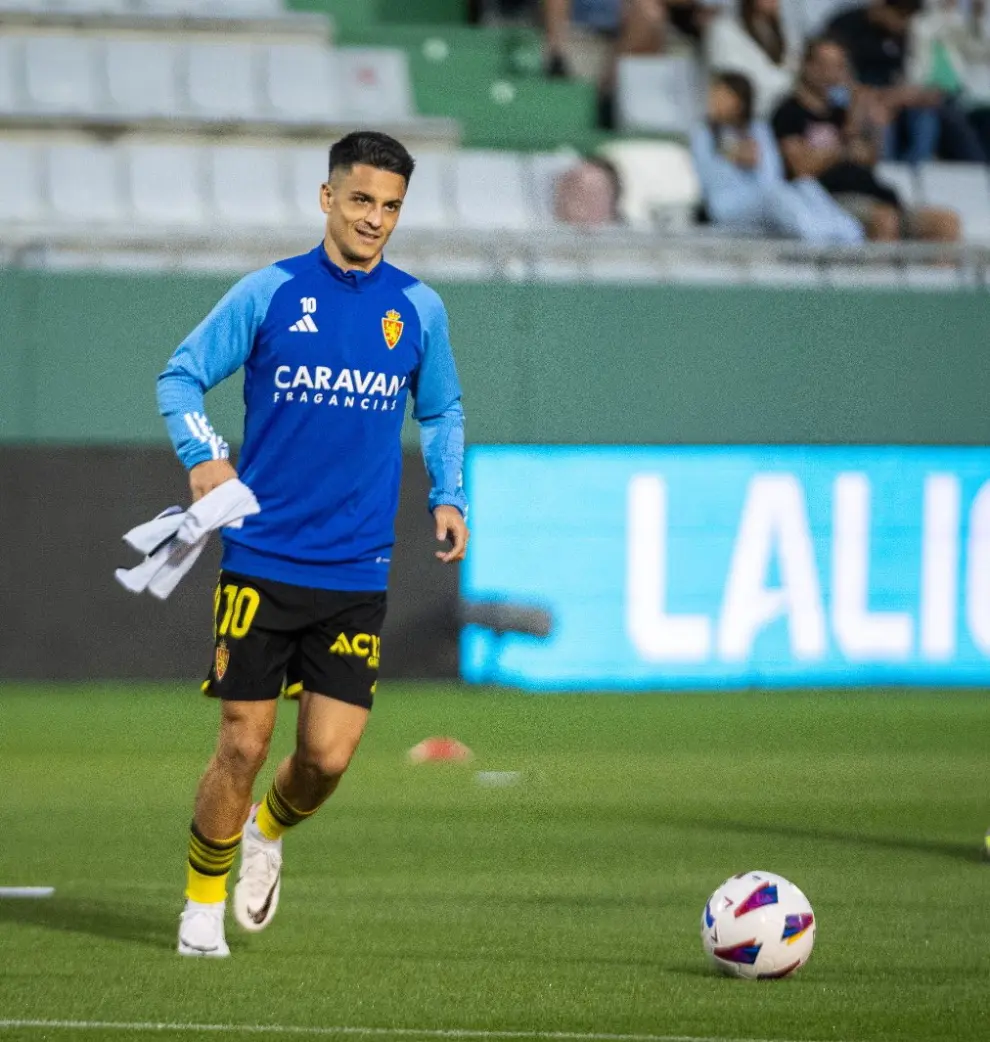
[331, 343]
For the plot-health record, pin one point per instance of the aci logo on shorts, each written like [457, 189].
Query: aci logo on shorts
[361, 645]
[732, 566]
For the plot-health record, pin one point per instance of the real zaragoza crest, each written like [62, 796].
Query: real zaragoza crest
[392, 327]
[222, 659]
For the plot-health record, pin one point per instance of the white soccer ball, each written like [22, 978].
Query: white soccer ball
[759, 926]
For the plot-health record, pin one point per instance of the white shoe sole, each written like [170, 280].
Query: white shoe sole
[249, 921]
[214, 953]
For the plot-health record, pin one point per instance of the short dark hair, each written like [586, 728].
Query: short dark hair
[816, 43]
[743, 90]
[370, 148]
[906, 7]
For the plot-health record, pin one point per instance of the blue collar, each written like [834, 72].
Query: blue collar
[352, 277]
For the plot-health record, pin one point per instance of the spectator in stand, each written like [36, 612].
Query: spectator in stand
[588, 194]
[920, 120]
[758, 45]
[602, 16]
[832, 131]
[742, 177]
[692, 18]
[949, 51]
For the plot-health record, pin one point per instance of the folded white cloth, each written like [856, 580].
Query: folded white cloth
[173, 541]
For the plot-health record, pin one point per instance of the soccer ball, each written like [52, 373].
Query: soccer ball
[759, 926]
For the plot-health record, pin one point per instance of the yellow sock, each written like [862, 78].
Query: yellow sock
[275, 815]
[210, 862]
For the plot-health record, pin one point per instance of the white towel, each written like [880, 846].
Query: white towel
[173, 541]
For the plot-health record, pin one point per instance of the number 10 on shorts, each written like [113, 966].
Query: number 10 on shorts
[240, 604]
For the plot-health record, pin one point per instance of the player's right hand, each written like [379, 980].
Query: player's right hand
[206, 476]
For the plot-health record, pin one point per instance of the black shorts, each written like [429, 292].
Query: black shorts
[273, 638]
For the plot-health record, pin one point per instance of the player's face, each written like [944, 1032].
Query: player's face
[362, 206]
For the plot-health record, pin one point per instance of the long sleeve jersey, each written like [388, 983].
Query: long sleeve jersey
[329, 357]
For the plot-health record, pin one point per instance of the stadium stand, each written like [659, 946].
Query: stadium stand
[160, 8]
[172, 132]
[204, 80]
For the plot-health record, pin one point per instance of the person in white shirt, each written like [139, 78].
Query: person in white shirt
[949, 49]
[760, 45]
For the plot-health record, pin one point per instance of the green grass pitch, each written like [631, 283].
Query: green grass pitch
[569, 902]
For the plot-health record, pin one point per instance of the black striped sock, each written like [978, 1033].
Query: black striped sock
[211, 857]
[284, 813]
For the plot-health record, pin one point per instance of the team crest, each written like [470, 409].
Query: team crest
[221, 661]
[392, 325]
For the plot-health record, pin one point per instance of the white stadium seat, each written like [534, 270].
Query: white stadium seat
[489, 192]
[247, 187]
[544, 169]
[84, 184]
[962, 187]
[91, 6]
[900, 177]
[300, 83]
[661, 95]
[221, 80]
[246, 8]
[166, 184]
[659, 182]
[61, 75]
[181, 8]
[427, 203]
[374, 83]
[21, 183]
[212, 8]
[10, 73]
[142, 77]
[307, 170]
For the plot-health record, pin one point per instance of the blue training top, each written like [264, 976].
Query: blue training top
[329, 357]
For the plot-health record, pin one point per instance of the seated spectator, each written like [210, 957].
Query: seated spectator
[643, 30]
[598, 15]
[742, 177]
[588, 194]
[692, 18]
[759, 46]
[949, 51]
[920, 120]
[831, 132]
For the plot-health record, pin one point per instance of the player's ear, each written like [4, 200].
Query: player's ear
[326, 196]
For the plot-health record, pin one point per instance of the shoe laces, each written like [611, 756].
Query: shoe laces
[262, 862]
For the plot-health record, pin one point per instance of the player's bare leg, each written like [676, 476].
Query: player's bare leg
[222, 803]
[327, 736]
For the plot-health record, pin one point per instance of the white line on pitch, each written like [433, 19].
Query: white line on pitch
[326, 1032]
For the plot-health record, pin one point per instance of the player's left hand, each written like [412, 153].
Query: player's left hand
[451, 526]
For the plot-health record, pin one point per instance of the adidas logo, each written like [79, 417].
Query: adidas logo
[304, 325]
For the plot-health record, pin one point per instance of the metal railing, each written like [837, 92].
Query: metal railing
[542, 254]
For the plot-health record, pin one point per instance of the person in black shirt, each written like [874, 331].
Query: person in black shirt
[831, 129]
[921, 120]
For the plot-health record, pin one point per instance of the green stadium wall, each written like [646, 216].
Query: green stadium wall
[79, 354]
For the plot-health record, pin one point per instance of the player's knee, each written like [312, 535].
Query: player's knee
[244, 752]
[327, 762]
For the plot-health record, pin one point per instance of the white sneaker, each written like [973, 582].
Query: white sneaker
[259, 882]
[201, 930]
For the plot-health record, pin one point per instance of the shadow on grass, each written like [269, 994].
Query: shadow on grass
[95, 918]
[971, 852]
